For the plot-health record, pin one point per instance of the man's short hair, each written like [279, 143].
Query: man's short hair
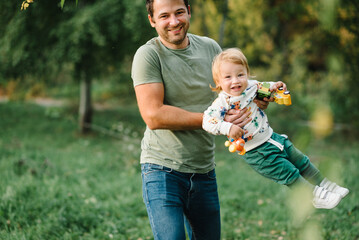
[149, 6]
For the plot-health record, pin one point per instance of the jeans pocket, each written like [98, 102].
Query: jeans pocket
[148, 168]
[211, 174]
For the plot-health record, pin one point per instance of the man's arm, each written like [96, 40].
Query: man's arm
[160, 116]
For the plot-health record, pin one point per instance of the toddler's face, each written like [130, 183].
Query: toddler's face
[233, 78]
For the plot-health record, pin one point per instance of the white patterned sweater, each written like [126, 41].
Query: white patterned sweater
[258, 129]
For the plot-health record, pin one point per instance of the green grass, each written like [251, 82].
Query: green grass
[57, 184]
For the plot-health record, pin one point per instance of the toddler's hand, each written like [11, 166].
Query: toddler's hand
[278, 85]
[236, 132]
[263, 104]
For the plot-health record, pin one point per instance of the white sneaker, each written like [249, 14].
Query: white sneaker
[325, 199]
[333, 187]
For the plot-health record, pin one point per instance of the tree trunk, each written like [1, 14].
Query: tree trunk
[204, 27]
[223, 23]
[85, 108]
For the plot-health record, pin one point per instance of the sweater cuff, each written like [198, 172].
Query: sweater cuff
[225, 127]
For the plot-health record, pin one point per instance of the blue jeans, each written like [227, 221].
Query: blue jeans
[173, 198]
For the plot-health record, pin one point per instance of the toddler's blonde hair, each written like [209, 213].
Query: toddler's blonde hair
[232, 55]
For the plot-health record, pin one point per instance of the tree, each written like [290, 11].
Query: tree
[342, 30]
[223, 10]
[43, 39]
[24, 37]
[97, 35]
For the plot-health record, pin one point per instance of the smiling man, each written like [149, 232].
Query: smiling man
[171, 22]
[172, 74]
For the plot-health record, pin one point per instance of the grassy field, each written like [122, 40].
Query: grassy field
[56, 184]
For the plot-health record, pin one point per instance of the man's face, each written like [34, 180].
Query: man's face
[171, 21]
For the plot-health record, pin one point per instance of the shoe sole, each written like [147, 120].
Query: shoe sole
[319, 206]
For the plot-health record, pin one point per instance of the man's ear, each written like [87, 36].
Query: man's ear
[150, 19]
[189, 10]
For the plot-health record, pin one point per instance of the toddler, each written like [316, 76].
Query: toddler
[270, 154]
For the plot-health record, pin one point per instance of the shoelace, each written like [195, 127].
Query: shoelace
[321, 192]
[329, 185]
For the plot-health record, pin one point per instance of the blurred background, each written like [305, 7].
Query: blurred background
[52, 52]
[70, 129]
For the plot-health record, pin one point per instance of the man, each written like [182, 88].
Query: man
[171, 75]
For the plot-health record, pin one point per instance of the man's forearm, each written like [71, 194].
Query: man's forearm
[150, 98]
[174, 118]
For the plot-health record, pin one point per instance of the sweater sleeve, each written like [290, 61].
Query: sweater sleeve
[213, 118]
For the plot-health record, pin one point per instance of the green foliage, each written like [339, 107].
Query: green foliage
[63, 3]
[58, 185]
[310, 45]
[46, 39]
[87, 40]
[99, 35]
[25, 34]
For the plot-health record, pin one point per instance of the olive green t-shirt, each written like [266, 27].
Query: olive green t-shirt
[186, 75]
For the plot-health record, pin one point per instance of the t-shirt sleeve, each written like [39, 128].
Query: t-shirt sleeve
[146, 67]
[218, 49]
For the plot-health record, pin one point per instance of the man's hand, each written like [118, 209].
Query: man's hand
[238, 117]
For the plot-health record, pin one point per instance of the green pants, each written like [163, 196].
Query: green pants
[284, 166]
